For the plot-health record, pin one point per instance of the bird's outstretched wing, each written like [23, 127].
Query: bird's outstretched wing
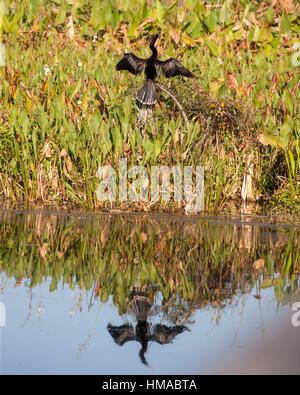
[131, 63]
[173, 67]
[163, 334]
[122, 334]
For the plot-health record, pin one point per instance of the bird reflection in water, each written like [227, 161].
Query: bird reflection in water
[144, 332]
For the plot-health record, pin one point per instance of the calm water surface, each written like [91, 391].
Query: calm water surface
[109, 294]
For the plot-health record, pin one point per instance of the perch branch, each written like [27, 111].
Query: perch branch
[176, 101]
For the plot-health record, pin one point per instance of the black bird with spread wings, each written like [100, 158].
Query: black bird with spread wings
[151, 67]
[143, 332]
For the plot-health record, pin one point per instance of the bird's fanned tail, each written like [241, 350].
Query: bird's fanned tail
[147, 95]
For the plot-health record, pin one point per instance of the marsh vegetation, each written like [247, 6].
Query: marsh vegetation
[65, 111]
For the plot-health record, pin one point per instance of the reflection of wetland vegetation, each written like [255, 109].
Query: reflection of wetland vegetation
[191, 265]
[151, 268]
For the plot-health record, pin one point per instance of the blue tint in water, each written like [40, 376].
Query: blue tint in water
[201, 295]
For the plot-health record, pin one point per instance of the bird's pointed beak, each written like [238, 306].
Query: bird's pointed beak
[160, 35]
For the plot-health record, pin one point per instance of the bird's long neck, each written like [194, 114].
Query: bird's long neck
[153, 49]
[154, 52]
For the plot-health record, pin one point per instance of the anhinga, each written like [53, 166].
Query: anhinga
[143, 332]
[151, 67]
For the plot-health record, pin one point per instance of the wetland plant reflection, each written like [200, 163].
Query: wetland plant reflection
[151, 268]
